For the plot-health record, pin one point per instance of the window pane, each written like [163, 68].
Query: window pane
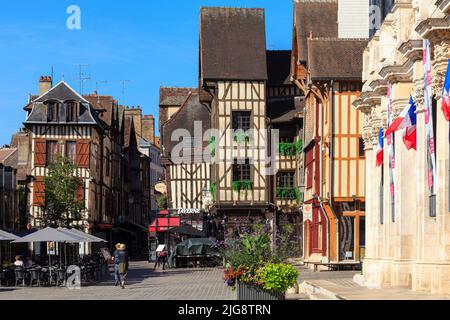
[52, 112]
[241, 120]
[241, 171]
[72, 113]
[52, 151]
[71, 150]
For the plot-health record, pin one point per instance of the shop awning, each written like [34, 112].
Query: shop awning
[162, 224]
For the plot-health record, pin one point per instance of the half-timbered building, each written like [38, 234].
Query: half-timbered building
[96, 134]
[184, 139]
[233, 78]
[285, 103]
[326, 66]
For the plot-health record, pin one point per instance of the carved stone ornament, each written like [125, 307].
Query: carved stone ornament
[439, 65]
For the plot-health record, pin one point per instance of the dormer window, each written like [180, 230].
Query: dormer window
[72, 111]
[52, 112]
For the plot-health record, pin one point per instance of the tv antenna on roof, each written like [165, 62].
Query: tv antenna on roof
[82, 77]
[123, 88]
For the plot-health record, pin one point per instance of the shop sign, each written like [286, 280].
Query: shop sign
[307, 212]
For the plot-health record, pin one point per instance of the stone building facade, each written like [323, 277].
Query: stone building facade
[408, 239]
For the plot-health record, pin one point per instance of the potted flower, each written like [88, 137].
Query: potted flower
[254, 271]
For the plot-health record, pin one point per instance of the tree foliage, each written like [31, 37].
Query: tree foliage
[62, 208]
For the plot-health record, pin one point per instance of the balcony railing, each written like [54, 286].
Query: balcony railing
[289, 193]
[290, 149]
[242, 185]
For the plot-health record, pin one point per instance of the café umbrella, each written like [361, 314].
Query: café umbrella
[82, 236]
[47, 235]
[78, 238]
[6, 236]
[87, 236]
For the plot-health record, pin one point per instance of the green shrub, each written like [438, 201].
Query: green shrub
[213, 190]
[212, 146]
[290, 149]
[278, 277]
[241, 137]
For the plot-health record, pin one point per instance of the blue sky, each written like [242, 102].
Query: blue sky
[151, 43]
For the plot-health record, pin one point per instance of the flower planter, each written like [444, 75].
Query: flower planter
[251, 292]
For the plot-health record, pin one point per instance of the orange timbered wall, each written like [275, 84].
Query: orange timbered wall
[349, 164]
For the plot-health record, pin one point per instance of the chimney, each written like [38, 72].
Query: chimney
[45, 84]
[136, 115]
[148, 128]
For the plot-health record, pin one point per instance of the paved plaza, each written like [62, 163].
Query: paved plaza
[340, 285]
[143, 284]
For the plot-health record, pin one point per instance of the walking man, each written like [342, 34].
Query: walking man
[116, 265]
[123, 264]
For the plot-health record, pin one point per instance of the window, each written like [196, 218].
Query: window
[361, 148]
[309, 168]
[52, 151]
[108, 159]
[241, 120]
[72, 111]
[241, 171]
[52, 112]
[286, 180]
[71, 151]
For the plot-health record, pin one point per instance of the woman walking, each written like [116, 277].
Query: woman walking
[123, 264]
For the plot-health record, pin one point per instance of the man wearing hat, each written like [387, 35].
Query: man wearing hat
[116, 264]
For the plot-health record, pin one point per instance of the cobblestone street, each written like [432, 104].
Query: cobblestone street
[143, 284]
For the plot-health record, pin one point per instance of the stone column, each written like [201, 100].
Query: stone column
[371, 268]
[403, 228]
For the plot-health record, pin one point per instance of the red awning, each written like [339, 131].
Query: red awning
[164, 223]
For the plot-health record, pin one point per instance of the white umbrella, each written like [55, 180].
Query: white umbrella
[87, 236]
[6, 236]
[47, 235]
[78, 238]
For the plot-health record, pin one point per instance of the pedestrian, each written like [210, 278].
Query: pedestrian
[18, 262]
[28, 264]
[115, 259]
[123, 265]
[161, 258]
